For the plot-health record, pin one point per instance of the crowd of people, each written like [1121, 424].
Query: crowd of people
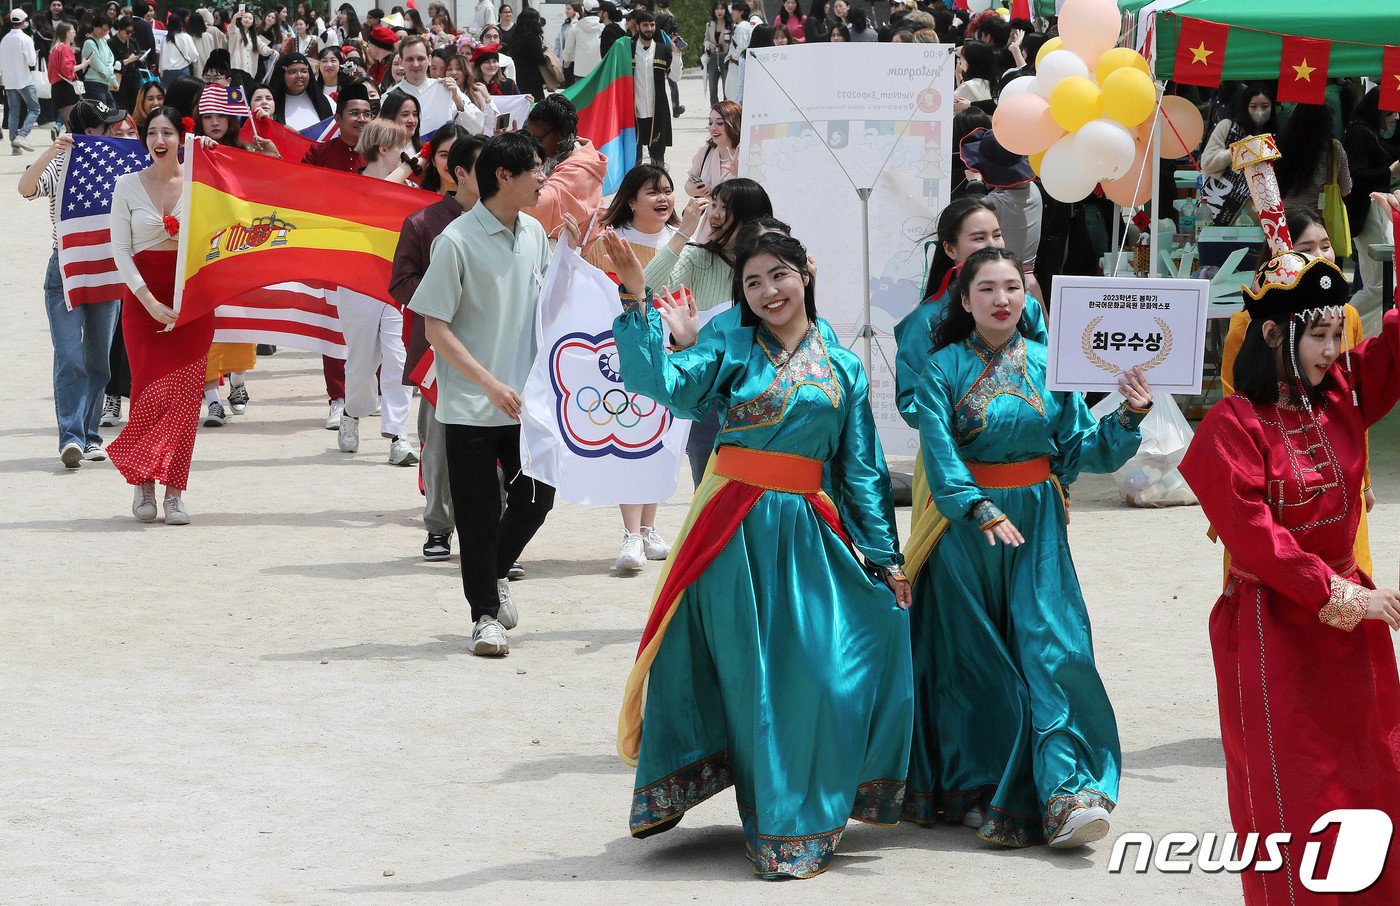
[795, 644]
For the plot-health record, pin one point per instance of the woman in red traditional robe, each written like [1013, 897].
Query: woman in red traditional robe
[1305, 667]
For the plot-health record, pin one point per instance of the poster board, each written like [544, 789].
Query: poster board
[814, 141]
[1101, 326]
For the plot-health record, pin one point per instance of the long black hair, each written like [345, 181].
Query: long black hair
[981, 62]
[432, 180]
[1305, 142]
[744, 200]
[392, 102]
[950, 224]
[1257, 372]
[958, 324]
[1239, 110]
[785, 249]
[619, 213]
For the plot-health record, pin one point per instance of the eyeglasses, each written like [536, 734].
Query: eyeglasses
[359, 115]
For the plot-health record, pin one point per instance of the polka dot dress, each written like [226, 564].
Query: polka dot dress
[167, 384]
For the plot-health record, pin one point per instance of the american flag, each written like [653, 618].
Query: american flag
[323, 131]
[85, 216]
[284, 314]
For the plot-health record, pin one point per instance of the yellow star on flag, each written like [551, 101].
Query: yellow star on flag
[1199, 54]
[1304, 71]
[1397, 83]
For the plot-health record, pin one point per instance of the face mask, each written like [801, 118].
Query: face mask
[374, 107]
[1389, 131]
[1260, 117]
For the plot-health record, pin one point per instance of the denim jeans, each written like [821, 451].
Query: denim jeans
[82, 342]
[26, 99]
[167, 76]
[97, 91]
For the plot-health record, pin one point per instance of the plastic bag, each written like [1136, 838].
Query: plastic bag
[1150, 478]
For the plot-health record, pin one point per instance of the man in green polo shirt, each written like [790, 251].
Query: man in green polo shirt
[478, 300]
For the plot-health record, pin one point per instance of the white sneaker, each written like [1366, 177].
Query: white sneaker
[630, 558]
[401, 454]
[333, 419]
[71, 455]
[143, 503]
[216, 417]
[489, 639]
[1084, 825]
[111, 410]
[349, 439]
[508, 615]
[175, 512]
[23, 143]
[95, 452]
[973, 818]
[653, 545]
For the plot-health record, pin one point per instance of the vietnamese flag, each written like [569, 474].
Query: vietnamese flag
[1200, 52]
[1390, 79]
[254, 221]
[1020, 9]
[1302, 71]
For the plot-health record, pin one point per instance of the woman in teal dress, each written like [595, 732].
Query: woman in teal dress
[776, 657]
[1022, 734]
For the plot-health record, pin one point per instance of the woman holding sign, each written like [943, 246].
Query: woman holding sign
[1022, 740]
[776, 658]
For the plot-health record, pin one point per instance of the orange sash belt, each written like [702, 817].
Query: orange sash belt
[771, 471]
[1003, 475]
[1343, 567]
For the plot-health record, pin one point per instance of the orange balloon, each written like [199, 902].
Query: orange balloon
[1023, 125]
[1035, 160]
[1134, 187]
[1181, 125]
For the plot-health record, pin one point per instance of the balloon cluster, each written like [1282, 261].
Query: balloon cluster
[1086, 117]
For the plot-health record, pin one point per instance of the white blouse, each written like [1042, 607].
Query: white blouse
[137, 226]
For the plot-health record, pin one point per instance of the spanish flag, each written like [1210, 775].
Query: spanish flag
[253, 221]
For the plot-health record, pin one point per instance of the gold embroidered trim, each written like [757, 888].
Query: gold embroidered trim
[1347, 606]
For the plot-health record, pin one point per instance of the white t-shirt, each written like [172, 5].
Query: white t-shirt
[300, 112]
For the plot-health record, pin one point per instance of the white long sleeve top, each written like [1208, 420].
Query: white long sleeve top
[137, 225]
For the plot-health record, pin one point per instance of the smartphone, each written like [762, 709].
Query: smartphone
[503, 122]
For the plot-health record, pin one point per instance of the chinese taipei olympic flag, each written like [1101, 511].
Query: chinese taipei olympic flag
[581, 431]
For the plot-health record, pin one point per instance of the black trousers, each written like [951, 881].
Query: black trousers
[656, 151]
[488, 540]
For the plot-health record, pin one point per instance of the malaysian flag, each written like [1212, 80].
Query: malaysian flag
[228, 100]
[323, 131]
[85, 216]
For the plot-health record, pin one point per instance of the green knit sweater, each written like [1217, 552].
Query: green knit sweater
[708, 276]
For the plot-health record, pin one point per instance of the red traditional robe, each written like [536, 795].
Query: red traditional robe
[1309, 697]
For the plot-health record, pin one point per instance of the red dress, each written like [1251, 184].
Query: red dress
[1309, 697]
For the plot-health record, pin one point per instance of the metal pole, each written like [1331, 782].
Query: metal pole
[868, 331]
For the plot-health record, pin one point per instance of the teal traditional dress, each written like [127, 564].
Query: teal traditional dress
[1021, 728]
[775, 658]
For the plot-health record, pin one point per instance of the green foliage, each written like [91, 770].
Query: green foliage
[692, 15]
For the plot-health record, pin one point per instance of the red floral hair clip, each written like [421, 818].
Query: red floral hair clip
[172, 226]
[186, 124]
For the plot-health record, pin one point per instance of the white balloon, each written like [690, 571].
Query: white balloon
[1057, 65]
[1016, 86]
[978, 6]
[1107, 147]
[1063, 174]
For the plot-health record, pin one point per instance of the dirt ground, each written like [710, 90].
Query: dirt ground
[275, 704]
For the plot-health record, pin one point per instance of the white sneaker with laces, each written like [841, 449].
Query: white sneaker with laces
[1083, 826]
[401, 454]
[333, 418]
[143, 503]
[175, 512]
[508, 615]
[349, 439]
[653, 545]
[95, 452]
[489, 639]
[630, 558]
[111, 410]
[71, 455]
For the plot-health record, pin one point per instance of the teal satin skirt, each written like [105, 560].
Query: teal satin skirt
[1011, 716]
[786, 673]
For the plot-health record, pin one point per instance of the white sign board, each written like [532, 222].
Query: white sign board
[1102, 326]
[816, 141]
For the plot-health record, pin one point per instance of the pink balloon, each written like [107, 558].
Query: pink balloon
[1090, 28]
[1023, 125]
[1183, 133]
[1134, 187]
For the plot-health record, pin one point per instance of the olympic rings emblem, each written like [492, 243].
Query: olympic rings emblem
[615, 405]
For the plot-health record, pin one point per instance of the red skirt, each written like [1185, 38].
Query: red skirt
[167, 383]
[1310, 718]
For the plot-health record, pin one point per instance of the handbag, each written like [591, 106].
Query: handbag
[1334, 211]
[551, 71]
[41, 84]
[78, 87]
